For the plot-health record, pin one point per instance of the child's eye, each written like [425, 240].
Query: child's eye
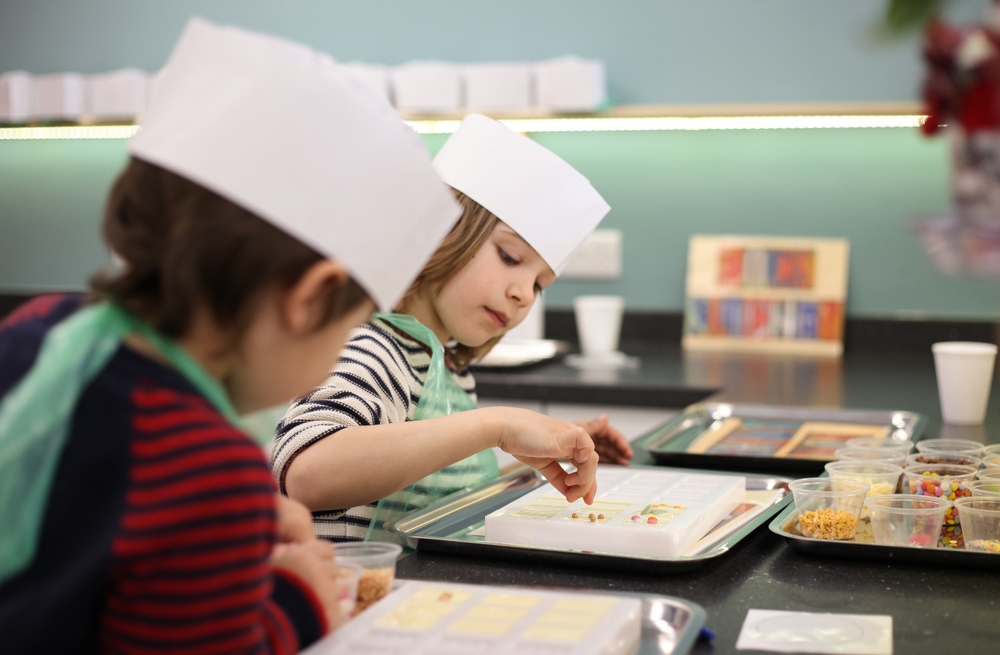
[507, 259]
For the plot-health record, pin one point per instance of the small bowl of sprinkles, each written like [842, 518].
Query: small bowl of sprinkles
[980, 522]
[954, 446]
[828, 508]
[948, 482]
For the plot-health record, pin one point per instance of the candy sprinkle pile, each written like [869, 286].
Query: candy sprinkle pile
[828, 523]
[988, 545]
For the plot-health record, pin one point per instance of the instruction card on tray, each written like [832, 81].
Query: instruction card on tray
[811, 632]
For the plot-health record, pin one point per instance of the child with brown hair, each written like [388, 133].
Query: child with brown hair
[381, 437]
[135, 513]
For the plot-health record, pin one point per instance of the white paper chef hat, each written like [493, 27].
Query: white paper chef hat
[551, 205]
[284, 132]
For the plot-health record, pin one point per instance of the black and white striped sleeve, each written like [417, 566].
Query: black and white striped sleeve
[372, 384]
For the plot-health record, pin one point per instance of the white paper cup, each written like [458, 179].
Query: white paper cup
[964, 372]
[599, 323]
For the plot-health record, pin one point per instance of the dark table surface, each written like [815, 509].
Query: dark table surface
[933, 609]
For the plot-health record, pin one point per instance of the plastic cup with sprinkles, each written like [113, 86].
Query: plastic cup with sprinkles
[932, 457]
[888, 455]
[827, 508]
[960, 446]
[987, 488]
[981, 522]
[907, 520]
[945, 481]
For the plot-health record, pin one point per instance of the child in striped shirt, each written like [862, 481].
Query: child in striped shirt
[347, 448]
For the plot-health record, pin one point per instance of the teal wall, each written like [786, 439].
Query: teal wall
[864, 185]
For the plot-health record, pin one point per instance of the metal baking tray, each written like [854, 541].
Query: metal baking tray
[444, 528]
[783, 525]
[670, 625]
[668, 443]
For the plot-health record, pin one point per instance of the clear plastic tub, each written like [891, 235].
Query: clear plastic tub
[880, 443]
[350, 576]
[870, 455]
[378, 561]
[989, 473]
[907, 520]
[882, 477]
[826, 508]
[985, 488]
[946, 481]
[981, 523]
[960, 446]
[993, 450]
[960, 459]
[991, 459]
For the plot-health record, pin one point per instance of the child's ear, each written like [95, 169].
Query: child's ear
[305, 302]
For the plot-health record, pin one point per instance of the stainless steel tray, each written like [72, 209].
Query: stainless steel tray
[444, 528]
[668, 443]
[670, 625]
[783, 525]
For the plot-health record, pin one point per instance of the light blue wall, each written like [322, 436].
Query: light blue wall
[865, 185]
[657, 51]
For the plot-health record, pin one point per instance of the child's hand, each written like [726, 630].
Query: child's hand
[609, 443]
[313, 562]
[294, 521]
[539, 441]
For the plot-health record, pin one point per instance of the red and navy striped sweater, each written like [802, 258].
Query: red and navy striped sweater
[159, 526]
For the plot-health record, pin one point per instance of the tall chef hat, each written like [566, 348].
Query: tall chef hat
[286, 133]
[550, 204]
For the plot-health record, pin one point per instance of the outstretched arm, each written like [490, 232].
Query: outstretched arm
[360, 464]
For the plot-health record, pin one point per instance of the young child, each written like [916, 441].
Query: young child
[135, 514]
[386, 417]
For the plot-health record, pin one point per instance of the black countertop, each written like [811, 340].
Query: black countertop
[933, 610]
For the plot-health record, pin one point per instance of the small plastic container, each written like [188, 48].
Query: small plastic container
[993, 450]
[960, 446]
[946, 481]
[960, 459]
[880, 443]
[981, 523]
[350, 576]
[827, 508]
[882, 477]
[870, 455]
[378, 561]
[991, 460]
[907, 520]
[986, 488]
[989, 473]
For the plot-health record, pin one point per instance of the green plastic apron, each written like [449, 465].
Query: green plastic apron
[440, 396]
[35, 416]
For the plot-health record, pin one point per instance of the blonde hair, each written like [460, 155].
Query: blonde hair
[458, 248]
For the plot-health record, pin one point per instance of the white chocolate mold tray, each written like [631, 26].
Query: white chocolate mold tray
[639, 512]
[439, 618]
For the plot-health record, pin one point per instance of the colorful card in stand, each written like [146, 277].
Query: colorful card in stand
[766, 295]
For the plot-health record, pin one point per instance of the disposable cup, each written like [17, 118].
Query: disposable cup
[882, 477]
[947, 482]
[964, 372]
[827, 508]
[906, 520]
[887, 455]
[880, 443]
[959, 446]
[350, 576]
[598, 323]
[931, 457]
[985, 488]
[378, 562]
[993, 450]
[991, 460]
[989, 473]
[980, 522]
